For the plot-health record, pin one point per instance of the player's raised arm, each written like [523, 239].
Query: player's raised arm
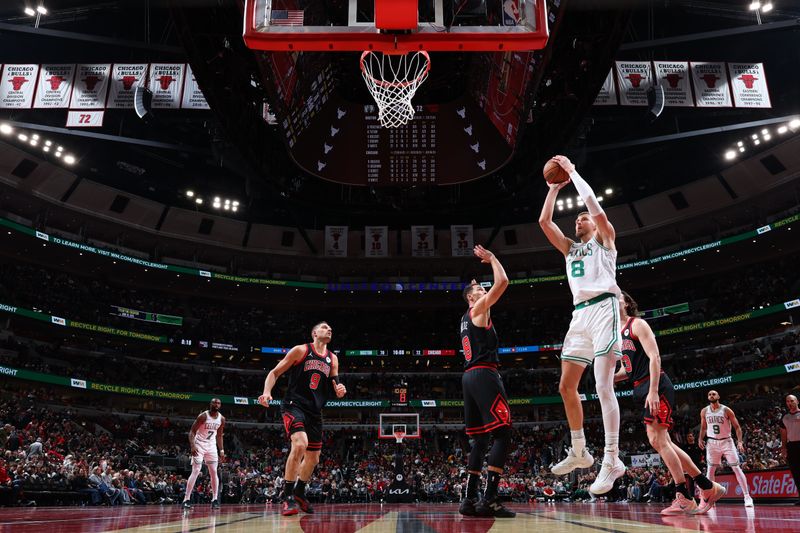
[294, 356]
[499, 285]
[551, 230]
[604, 228]
[338, 388]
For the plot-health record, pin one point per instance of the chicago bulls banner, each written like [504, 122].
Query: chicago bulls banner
[376, 241]
[710, 82]
[673, 76]
[633, 79]
[125, 77]
[17, 86]
[166, 82]
[193, 97]
[91, 86]
[608, 92]
[461, 240]
[336, 241]
[422, 241]
[749, 85]
[54, 87]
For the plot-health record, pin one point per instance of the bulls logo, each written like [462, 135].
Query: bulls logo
[748, 80]
[673, 79]
[127, 82]
[710, 79]
[636, 79]
[17, 82]
[91, 82]
[165, 81]
[55, 81]
[501, 411]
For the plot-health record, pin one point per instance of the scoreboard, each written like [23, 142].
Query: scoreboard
[400, 395]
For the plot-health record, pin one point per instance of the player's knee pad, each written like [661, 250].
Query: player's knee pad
[499, 451]
[480, 443]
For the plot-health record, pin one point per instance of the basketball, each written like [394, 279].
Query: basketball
[553, 173]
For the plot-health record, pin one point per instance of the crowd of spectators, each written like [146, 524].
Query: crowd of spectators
[63, 456]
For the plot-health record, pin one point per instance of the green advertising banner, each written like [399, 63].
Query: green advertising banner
[243, 400]
[310, 285]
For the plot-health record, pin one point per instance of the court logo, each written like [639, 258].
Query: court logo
[79, 383]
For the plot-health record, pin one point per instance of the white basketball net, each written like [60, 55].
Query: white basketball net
[393, 80]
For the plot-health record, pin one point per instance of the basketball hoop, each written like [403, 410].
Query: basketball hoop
[393, 79]
[399, 435]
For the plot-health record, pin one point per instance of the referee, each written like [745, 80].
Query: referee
[790, 439]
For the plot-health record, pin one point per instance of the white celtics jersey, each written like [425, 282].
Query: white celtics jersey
[591, 270]
[718, 425]
[207, 432]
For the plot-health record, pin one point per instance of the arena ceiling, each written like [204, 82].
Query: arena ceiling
[230, 151]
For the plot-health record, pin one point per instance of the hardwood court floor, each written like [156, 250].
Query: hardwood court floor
[416, 518]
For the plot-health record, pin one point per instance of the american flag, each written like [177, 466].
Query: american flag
[284, 17]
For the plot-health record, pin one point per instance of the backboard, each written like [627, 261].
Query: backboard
[391, 25]
[389, 423]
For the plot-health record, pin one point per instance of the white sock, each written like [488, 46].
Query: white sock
[742, 479]
[604, 367]
[612, 443]
[578, 440]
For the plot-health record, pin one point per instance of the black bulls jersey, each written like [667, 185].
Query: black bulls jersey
[479, 344]
[634, 358]
[309, 381]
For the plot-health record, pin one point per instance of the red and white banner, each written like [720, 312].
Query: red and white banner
[633, 80]
[772, 484]
[376, 241]
[749, 85]
[710, 82]
[91, 87]
[193, 97]
[125, 77]
[17, 86]
[54, 87]
[166, 83]
[336, 241]
[608, 92]
[422, 241]
[673, 76]
[85, 119]
[461, 241]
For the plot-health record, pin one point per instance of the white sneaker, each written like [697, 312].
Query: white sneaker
[748, 500]
[609, 473]
[572, 462]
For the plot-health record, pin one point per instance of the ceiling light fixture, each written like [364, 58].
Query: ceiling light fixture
[730, 154]
[794, 124]
[6, 129]
[198, 201]
[22, 137]
[190, 194]
[782, 130]
[756, 142]
[767, 137]
[41, 10]
[767, 7]
[755, 5]
[69, 159]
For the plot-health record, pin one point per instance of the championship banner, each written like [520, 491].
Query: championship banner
[166, 82]
[608, 92]
[125, 77]
[376, 241]
[710, 82]
[193, 97]
[749, 85]
[765, 485]
[335, 241]
[422, 241]
[633, 80]
[17, 86]
[673, 76]
[54, 87]
[91, 87]
[461, 241]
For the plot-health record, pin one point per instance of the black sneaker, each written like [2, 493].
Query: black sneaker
[215, 504]
[493, 508]
[305, 506]
[467, 507]
[186, 505]
[290, 507]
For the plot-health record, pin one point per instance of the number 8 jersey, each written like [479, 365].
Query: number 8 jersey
[308, 381]
[591, 270]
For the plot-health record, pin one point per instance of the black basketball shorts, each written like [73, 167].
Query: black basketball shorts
[485, 401]
[296, 419]
[666, 397]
